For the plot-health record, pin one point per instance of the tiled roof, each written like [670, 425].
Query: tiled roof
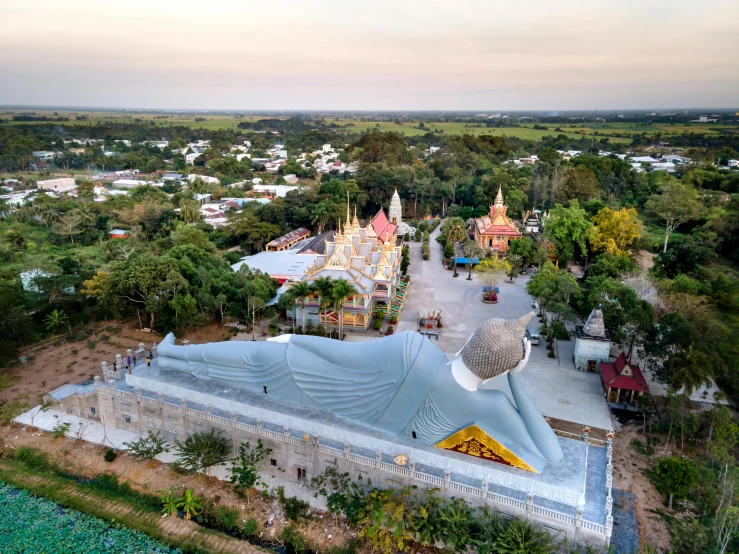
[289, 238]
[611, 375]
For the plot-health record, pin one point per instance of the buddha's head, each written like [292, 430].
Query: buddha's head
[494, 349]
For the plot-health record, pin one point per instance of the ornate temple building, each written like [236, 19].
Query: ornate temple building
[496, 229]
[369, 259]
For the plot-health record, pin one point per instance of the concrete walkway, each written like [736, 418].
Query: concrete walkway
[557, 389]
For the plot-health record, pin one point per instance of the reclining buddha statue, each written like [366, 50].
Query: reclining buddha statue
[401, 385]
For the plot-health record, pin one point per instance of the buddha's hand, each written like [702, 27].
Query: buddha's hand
[282, 339]
[520, 365]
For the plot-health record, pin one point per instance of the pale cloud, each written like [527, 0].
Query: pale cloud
[285, 54]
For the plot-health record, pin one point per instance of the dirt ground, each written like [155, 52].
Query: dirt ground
[56, 362]
[645, 260]
[150, 476]
[628, 476]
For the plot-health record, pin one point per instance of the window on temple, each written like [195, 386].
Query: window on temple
[128, 420]
[272, 462]
[265, 389]
[93, 411]
[413, 434]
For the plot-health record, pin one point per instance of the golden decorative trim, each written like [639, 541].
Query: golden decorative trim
[473, 441]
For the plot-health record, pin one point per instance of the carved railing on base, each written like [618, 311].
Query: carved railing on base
[529, 507]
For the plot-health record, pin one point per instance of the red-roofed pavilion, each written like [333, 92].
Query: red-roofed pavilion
[621, 380]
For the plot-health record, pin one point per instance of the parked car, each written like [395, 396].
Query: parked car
[533, 337]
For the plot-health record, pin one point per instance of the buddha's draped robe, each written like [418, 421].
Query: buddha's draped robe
[400, 384]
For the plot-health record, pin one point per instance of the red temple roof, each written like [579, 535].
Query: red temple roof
[382, 227]
[621, 375]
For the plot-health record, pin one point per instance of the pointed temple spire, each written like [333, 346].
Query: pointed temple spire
[499, 197]
[348, 214]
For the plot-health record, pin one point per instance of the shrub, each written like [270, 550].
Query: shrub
[221, 518]
[293, 540]
[251, 527]
[60, 429]
[295, 508]
[32, 457]
[110, 455]
[91, 345]
[145, 448]
[521, 536]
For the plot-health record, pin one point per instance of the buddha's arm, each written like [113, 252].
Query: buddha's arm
[542, 435]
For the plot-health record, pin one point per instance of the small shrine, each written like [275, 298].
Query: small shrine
[592, 342]
[622, 381]
[495, 230]
[532, 222]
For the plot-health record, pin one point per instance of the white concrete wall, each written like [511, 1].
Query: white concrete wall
[586, 349]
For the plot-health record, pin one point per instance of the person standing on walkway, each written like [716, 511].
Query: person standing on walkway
[134, 360]
[148, 361]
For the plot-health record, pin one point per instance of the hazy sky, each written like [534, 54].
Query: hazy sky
[380, 54]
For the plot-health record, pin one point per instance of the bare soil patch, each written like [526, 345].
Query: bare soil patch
[58, 361]
[628, 467]
[150, 476]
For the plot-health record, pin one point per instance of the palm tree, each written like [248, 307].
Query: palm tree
[170, 502]
[301, 291]
[514, 266]
[690, 369]
[198, 186]
[191, 504]
[455, 230]
[471, 251]
[324, 287]
[55, 319]
[341, 290]
[190, 210]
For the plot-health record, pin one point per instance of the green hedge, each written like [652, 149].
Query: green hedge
[32, 524]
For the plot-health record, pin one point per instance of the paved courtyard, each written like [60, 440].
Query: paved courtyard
[557, 389]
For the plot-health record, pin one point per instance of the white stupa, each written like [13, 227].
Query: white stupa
[395, 215]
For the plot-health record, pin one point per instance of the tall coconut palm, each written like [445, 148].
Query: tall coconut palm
[341, 290]
[198, 186]
[455, 230]
[189, 210]
[301, 291]
[690, 369]
[324, 286]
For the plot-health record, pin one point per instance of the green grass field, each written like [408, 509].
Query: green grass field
[212, 122]
[526, 131]
[615, 131]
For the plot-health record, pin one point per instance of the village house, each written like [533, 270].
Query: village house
[65, 184]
